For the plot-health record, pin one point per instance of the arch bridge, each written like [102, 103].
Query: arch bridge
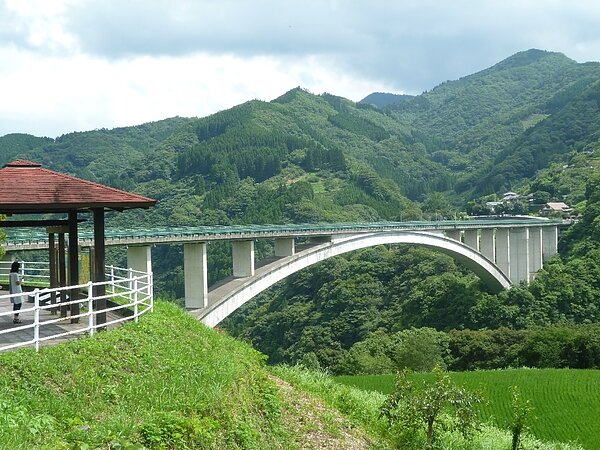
[502, 252]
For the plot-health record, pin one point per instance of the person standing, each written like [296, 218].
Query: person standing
[14, 287]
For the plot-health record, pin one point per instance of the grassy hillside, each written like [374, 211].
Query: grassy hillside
[166, 382]
[565, 402]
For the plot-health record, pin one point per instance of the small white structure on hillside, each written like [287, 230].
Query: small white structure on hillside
[510, 197]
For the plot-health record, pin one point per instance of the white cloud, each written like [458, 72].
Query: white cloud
[87, 92]
[81, 64]
[40, 24]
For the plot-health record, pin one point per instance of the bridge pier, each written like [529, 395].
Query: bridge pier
[487, 245]
[285, 246]
[519, 255]
[472, 239]
[453, 234]
[139, 257]
[503, 250]
[243, 258]
[535, 251]
[549, 242]
[195, 270]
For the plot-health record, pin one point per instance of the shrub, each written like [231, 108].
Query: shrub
[415, 413]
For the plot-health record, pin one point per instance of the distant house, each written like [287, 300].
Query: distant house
[492, 206]
[556, 208]
[510, 197]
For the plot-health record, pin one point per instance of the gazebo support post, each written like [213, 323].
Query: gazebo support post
[99, 263]
[62, 273]
[74, 263]
[53, 267]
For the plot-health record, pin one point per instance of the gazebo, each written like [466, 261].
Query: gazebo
[28, 188]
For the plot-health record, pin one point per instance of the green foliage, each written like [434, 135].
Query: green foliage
[363, 406]
[16, 144]
[545, 390]
[415, 413]
[327, 308]
[549, 346]
[348, 121]
[584, 236]
[522, 412]
[569, 129]
[418, 349]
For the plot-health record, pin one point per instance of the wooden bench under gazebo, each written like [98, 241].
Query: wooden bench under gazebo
[26, 188]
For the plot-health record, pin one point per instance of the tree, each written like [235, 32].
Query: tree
[416, 413]
[522, 411]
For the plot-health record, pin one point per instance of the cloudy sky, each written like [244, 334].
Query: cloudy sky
[76, 65]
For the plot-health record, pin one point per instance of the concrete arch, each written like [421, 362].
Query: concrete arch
[491, 275]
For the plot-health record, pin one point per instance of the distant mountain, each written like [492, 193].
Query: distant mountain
[479, 121]
[102, 155]
[483, 133]
[382, 99]
[12, 145]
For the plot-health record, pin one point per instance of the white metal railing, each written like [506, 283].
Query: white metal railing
[37, 272]
[128, 294]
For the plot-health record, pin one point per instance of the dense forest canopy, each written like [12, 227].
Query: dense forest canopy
[529, 124]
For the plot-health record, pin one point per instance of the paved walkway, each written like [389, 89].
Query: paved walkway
[24, 331]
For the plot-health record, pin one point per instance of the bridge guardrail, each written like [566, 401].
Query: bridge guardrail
[20, 239]
[129, 292]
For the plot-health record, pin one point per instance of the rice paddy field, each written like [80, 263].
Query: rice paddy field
[566, 402]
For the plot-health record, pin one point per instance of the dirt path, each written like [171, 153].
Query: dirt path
[316, 426]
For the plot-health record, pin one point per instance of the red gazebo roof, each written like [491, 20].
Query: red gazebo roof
[26, 187]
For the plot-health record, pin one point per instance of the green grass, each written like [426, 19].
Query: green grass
[566, 402]
[165, 382]
[168, 382]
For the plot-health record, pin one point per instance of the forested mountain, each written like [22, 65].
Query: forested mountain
[497, 127]
[530, 123]
[13, 145]
[382, 99]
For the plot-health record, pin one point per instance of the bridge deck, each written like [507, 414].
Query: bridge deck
[30, 239]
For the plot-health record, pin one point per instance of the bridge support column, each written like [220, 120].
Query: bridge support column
[195, 272]
[139, 257]
[243, 258]
[535, 250]
[472, 239]
[453, 234]
[519, 255]
[284, 247]
[503, 250]
[486, 244]
[549, 242]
